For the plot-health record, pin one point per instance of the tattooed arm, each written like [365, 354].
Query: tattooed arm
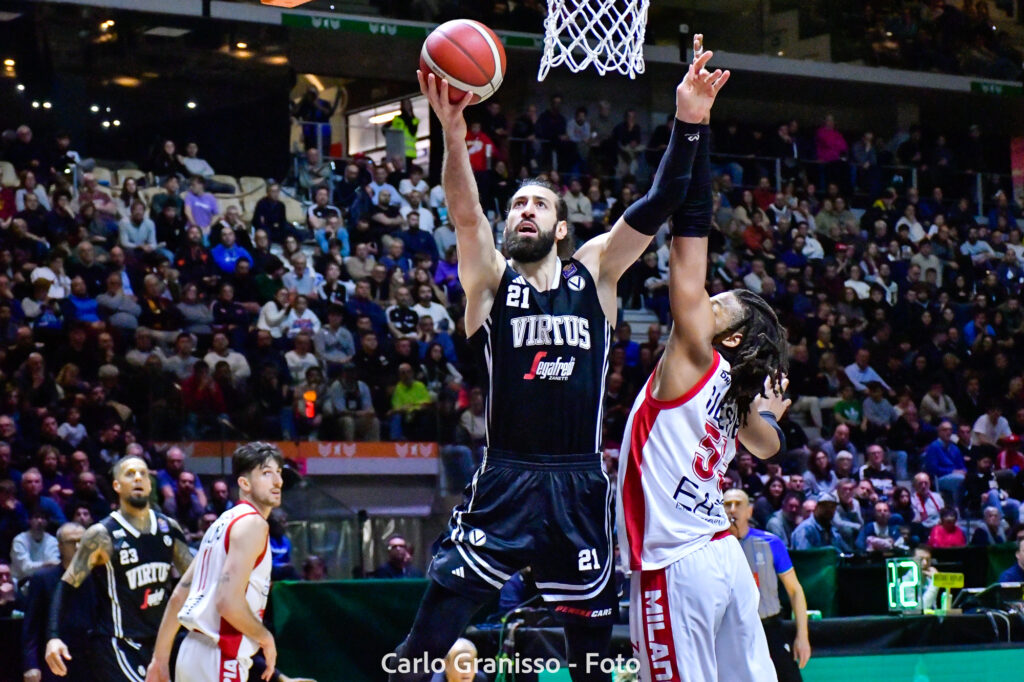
[94, 550]
[159, 667]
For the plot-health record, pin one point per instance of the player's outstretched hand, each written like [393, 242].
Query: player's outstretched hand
[158, 671]
[774, 399]
[801, 651]
[56, 653]
[436, 91]
[270, 653]
[696, 94]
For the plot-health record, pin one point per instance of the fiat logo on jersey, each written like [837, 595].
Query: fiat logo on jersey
[576, 282]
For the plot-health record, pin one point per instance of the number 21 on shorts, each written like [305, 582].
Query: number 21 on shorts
[588, 560]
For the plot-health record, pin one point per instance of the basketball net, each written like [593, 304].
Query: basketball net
[608, 34]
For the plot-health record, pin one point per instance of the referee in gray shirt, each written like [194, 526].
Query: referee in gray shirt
[770, 563]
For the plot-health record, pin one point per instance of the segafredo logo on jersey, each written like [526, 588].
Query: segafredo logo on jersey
[153, 572]
[662, 665]
[551, 330]
[553, 370]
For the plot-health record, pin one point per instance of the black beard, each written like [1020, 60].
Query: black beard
[138, 502]
[530, 250]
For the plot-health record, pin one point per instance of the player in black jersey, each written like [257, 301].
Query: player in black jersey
[542, 328]
[130, 555]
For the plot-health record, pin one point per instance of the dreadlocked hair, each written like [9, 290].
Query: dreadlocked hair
[763, 352]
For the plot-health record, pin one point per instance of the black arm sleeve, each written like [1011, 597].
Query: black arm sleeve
[693, 219]
[36, 615]
[53, 624]
[670, 183]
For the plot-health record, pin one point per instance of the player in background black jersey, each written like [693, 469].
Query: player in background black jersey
[130, 555]
[542, 328]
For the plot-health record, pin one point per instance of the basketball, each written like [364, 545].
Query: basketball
[469, 55]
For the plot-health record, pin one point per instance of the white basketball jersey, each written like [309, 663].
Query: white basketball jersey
[199, 613]
[671, 470]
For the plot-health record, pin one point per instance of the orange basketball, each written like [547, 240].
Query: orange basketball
[469, 55]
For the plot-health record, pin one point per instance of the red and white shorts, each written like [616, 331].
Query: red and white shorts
[696, 619]
[201, 660]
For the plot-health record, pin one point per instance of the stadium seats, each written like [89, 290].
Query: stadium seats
[227, 180]
[104, 176]
[251, 185]
[149, 192]
[8, 178]
[126, 173]
[293, 209]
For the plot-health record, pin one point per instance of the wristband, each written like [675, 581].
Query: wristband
[693, 217]
[769, 417]
[668, 189]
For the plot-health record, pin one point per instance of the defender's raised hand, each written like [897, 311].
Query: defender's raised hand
[774, 399]
[696, 93]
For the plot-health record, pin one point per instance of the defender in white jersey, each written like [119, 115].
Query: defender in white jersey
[221, 598]
[693, 603]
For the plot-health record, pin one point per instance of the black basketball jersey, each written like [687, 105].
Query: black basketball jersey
[132, 588]
[545, 354]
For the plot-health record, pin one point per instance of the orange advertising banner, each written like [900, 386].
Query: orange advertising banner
[285, 3]
[317, 449]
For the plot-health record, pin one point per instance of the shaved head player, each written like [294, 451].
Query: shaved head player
[693, 604]
[130, 554]
[542, 329]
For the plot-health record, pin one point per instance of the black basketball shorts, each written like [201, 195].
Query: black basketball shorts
[114, 659]
[550, 512]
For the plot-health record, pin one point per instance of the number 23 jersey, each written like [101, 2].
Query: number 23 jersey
[672, 470]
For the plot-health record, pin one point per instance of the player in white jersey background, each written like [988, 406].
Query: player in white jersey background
[221, 597]
[693, 606]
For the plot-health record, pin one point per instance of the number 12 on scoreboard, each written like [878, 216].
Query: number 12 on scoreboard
[903, 580]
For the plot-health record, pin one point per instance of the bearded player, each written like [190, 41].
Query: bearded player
[129, 554]
[693, 607]
[541, 498]
[222, 596]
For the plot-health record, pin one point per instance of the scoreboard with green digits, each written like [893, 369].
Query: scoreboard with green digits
[903, 583]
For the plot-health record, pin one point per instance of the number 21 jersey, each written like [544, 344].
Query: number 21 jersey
[545, 355]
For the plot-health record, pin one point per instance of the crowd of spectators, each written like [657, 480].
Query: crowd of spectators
[938, 36]
[131, 316]
[922, 35]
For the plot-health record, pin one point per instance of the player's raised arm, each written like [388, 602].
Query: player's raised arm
[93, 550]
[689, 351]
[246, 542]
[480, 268]
[632, 233]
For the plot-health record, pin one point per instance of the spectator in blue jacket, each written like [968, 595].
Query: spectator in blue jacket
[944, 461]
[817, 530]
[227, 253]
